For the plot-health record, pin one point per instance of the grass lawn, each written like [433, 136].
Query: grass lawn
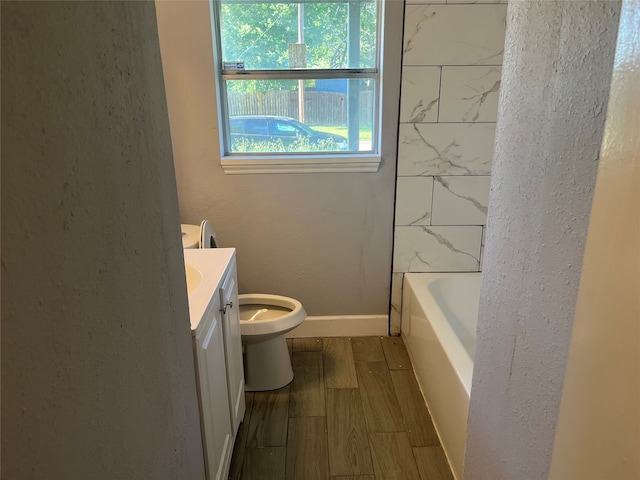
[365, 132]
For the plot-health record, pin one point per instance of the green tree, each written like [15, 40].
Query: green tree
[259, 34]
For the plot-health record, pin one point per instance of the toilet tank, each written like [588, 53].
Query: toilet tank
[190, 236]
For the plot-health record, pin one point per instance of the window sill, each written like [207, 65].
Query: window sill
[245, 165]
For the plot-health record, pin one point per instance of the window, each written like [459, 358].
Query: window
[298, 84]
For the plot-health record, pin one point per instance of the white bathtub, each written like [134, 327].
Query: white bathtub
[439, 317]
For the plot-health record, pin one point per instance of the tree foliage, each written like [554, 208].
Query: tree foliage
[259, 34]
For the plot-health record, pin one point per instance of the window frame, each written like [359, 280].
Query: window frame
[294, 162]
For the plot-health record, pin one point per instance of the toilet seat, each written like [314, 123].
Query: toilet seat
[287, 315]
[264, 321]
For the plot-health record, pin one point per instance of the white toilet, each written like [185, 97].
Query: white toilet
[264, 321]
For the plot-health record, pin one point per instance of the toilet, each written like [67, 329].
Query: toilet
[264, 321]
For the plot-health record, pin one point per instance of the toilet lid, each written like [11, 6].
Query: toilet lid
[207, 237]
[190, 236]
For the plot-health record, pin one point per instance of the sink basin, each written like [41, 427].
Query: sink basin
[194, 278]
[204, 267]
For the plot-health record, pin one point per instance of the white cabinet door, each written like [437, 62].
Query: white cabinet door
[233, 346]
[214, 399]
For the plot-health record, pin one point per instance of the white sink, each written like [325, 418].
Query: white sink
[204, 269]
[194, 278]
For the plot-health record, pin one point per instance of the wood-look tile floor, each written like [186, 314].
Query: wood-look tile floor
[353, 412]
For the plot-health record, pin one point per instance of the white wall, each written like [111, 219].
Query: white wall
[97, 367]
[324, 239]
[555, 84]
[598, 433]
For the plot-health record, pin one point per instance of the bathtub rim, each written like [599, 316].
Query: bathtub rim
[457, 354]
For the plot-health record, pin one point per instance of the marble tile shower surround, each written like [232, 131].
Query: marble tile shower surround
[437, 248]
[445, 149]
[454, 35]
[413, 200]
[460, 200]
[442, 200]
[469, 94]
[454, 2]
[451, 69]
[420, 94]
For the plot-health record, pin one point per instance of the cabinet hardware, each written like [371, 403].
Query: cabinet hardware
[224, 308]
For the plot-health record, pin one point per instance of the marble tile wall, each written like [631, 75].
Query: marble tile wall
[451, 71]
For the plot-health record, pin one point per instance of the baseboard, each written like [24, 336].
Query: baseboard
[342, 326]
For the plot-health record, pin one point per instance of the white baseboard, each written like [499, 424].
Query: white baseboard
[342, 326]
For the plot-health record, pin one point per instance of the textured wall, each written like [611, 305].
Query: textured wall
[325, 238]
[448, 106]
[601, 395]
[97, 366]
[555, 83]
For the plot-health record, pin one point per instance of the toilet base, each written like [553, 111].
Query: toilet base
[267, 365]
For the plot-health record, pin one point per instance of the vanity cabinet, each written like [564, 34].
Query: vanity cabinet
[233, 345]
[215, 328]
[217, 434]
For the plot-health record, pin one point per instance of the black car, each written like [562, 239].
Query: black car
[271, 128]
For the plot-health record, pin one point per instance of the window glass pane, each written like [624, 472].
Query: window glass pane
[275, 36]
[265, 116]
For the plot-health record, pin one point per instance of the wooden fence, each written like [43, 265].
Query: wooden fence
[321, 108]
